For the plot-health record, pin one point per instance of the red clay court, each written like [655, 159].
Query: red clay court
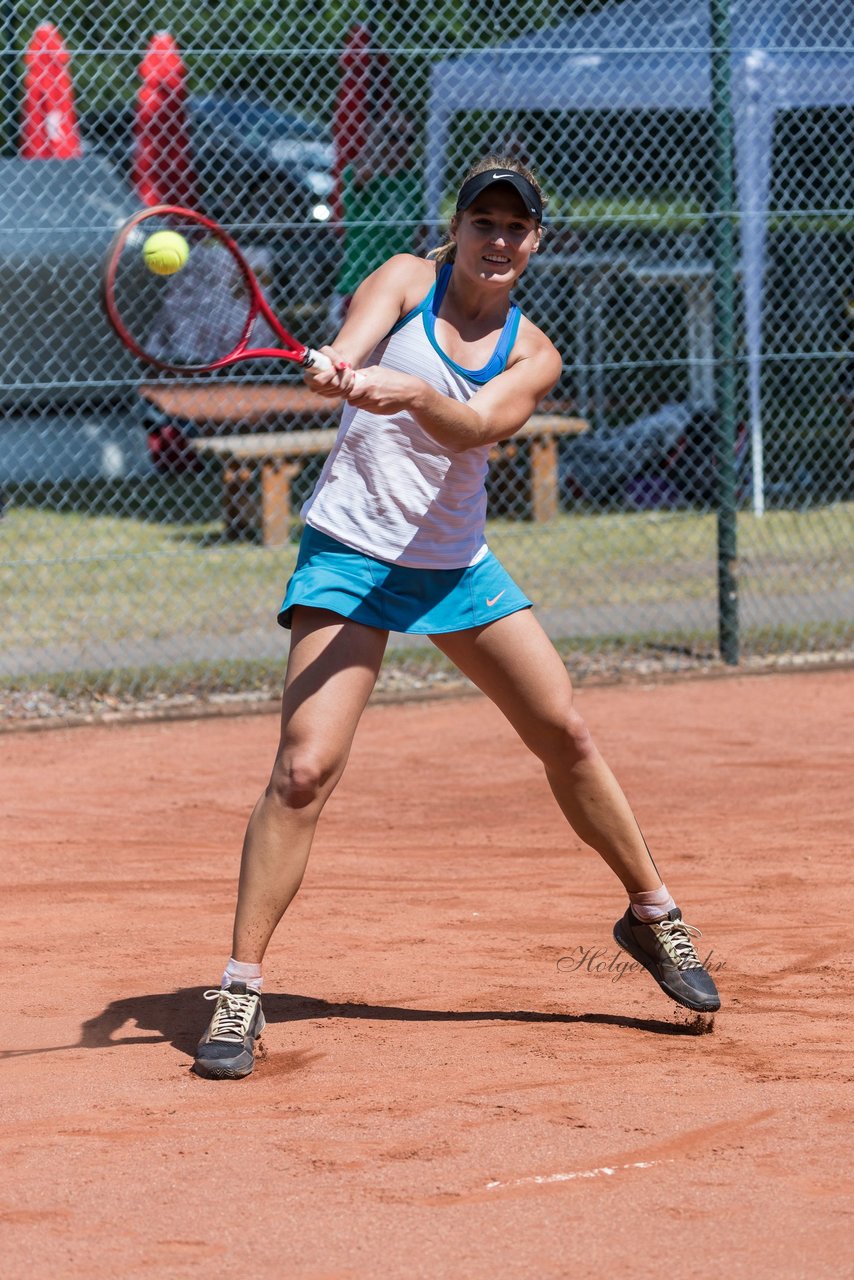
[457, 1080]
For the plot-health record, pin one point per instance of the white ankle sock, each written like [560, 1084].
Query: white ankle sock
[237, 971]
[651, 904]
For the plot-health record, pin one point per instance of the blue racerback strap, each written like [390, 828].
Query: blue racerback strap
[429, 309]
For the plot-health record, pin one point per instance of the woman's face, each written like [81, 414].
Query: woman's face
[495, 236]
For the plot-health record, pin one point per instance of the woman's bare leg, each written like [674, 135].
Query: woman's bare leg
[513, 661]
[332, 669]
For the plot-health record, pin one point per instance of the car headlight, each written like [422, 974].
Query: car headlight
[320, 183]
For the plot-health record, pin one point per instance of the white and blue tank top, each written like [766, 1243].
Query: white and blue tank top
[388, 489]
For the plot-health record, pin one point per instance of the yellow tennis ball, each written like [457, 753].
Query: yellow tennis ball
[165, 252]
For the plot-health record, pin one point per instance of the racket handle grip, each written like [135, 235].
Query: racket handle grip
[316, 360]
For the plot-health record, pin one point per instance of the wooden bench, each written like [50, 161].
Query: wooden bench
[213, 405]
[259, 468]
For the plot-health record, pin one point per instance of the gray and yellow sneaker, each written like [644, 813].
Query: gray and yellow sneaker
[666, 949]
[227, 1049]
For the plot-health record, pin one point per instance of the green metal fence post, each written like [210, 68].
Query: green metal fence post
[723, 274]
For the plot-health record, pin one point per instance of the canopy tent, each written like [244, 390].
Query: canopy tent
[655, 55]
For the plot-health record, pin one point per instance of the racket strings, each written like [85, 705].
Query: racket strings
[193, 317]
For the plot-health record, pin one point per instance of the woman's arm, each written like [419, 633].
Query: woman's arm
[378, 303]
[494, 413]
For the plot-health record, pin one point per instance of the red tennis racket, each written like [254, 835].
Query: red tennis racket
[189, 301]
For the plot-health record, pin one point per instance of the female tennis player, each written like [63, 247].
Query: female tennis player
[394, 541]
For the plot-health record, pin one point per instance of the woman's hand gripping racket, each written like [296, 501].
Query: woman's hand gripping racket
[182, 297]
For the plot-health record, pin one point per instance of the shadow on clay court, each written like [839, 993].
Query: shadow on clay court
[180, 1017]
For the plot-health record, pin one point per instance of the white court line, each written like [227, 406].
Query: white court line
[541, 1179]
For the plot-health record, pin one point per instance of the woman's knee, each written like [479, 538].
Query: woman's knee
[563, 741]
[302, 779]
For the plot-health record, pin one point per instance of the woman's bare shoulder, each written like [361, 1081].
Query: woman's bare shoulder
[412, 262]
[532, 342]
[402, 265]
[411, 275]
[407, 277]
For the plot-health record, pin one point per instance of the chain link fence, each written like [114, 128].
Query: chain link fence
[138, 560]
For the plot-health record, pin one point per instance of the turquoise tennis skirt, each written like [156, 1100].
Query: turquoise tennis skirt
[393, 597]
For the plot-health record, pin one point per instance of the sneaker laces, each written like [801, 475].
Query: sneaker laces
[675, 936]
[232, 1014]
